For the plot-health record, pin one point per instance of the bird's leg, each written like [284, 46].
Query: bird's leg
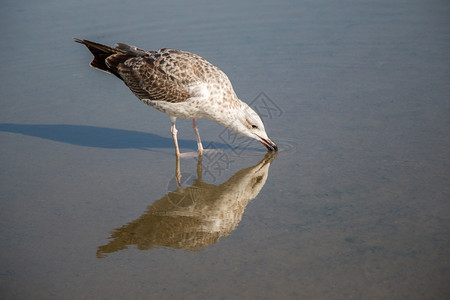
[197, 136]
[177, 171]
[199, 167]
[174, 132]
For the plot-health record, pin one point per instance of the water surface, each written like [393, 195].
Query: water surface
[354, 206]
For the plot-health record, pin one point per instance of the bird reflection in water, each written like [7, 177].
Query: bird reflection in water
[193, 217]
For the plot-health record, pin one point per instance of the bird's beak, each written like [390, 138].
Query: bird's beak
[271, 146]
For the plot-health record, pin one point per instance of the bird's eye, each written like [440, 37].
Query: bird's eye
[254, 126]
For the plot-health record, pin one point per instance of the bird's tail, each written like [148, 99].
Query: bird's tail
[101, 53]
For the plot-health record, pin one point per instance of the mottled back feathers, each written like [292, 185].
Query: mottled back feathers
[163, 75]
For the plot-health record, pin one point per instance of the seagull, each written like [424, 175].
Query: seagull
[182, 85]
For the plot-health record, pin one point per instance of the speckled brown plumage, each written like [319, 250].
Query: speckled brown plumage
[161, 75]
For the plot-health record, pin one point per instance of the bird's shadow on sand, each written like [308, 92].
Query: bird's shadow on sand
[101, 137]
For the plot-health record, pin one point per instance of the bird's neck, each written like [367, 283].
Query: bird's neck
[227, 112]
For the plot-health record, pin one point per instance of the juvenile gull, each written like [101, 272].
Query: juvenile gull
[182, 85]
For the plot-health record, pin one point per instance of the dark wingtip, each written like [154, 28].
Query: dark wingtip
[101, 53]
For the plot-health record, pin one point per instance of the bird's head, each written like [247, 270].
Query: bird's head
[249, 124]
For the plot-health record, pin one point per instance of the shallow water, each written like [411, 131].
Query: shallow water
[355, 205]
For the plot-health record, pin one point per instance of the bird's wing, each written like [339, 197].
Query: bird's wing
[163, 75]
